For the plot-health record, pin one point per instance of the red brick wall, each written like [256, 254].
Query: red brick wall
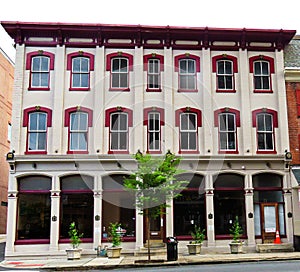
[6, 86]
[293, 120]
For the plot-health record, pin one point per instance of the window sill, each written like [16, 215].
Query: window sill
[38, 89]
[225, 91]
[118, 152]
[32, 241]
[228, 152]
[153, 152]
[119, 89]
[153, 90]
[78, 152]
[187, 91]
[188, 152]
[266, 152]
[263, 91]
[67, 240]
[79, 89]
[35, 152]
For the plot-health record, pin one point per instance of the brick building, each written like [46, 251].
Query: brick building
[6, 86]
[88, 96]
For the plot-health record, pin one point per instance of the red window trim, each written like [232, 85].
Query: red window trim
[26, 113]
[161, 111]
[275, 125]
[199, 124]
[67, 124]
[33, 241]
[108, 112]
[29, 57]
[69, 67]
[272, 70]
[215, 59]
[109, 57]
[161, 59]
[176, 68]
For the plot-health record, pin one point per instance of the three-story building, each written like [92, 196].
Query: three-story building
[88, 96]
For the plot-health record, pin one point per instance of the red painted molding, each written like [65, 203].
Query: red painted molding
[30, 55]
[273, 112]
[117, 109]
[79, 109]
[109, 57]
[263, 58]
[153, 56]
[187, 56]
[80, 54]
[188, 109]
[225, 57]
[154, 109]
[227, 110]
[27, 111]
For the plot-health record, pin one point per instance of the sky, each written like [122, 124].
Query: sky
[263, 14]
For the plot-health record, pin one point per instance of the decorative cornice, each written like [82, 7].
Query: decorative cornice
[292, 74]
[129, 36]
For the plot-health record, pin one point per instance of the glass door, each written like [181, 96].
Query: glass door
[270, 222]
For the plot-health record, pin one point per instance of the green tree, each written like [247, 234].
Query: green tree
[155, 184]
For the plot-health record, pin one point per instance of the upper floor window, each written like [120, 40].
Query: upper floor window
[224, 66]
[80, 64]
[118, 122]
[188, 121]
[153, 64]
[187, 67]
[37, 120]
[119, 66]
[262, 67]
[265, 121]
[78, 120]
[39, 63]
[227, 120]
[154, 119]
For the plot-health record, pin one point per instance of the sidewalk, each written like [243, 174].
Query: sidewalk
[132, 261]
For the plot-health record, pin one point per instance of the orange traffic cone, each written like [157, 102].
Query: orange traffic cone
[277, 238]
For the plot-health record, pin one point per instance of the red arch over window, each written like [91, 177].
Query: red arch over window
[80, 54]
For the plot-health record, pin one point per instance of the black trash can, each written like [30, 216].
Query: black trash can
[172, 249]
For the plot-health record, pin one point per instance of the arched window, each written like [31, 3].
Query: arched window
[118, 206]
[34, 210]
[189, 208]
[77, 205]
[229, 202]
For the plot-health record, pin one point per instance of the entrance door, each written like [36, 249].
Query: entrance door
[270, 222]
[157, 227]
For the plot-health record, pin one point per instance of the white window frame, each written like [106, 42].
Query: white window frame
[152, 146]
[225, 74]
[259, 75]
[189, 131]
[185, 75]
[118, 132]
[153, 75]
[265, 132]
[39, 72]
[226, 131]
[81, 73]
[119, 72]
[80, 133]
[35, 143]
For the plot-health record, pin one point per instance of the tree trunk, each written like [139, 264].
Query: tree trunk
[148, 234]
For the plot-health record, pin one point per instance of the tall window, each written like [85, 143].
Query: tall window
[227, 131]
[261, 75]
[119, 73]
[78, 131]
[40, 71]
[37, 131]
[225, 75]
[153, 79]
[80, 72]
[265, 132]
[187, 74]
[77, 205]
[262, 68]
[188, 131]
[34, 209]
[119, 131]
[37, 120]
[154, 131]
[78, 120]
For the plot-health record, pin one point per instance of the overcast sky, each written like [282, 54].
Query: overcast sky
[267, 14]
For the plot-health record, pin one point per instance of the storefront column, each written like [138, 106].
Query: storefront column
[169, 219]
[139, 229]
[210, 234]
[55, 216]
[11, 222]
[249, 210]
[98, 197]
[288, 209]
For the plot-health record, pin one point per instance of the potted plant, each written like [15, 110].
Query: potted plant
[114, 236]
[194, 247]
[74, 252]
[236, 231]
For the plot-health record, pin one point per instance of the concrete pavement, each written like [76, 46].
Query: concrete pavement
[86, 263]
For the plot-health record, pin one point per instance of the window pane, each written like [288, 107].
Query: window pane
[36, 64]
[83, 121]
[76, 80]
[265, 68]
[192, 141]
[222, 122]
[183, 82]
[228, 67]
[231, 141]
[74, 121]
[35, 80]
[192, 121]
[269, 141]
[82, 145]
[76, 65]
[257, 83]
[115, 80]
[191, 83]
[231, 122]
[123, 122]
[84, 64]
[191, 66]
[257, 68]
[32, 143]
[223, 141]
[74, 141]
[45, 64]
[260, 122]
[115, 121]
[182, 67]
[221, 82]
[123, 140]
[229, 83]
[124, 65]
[33, 121]
[184, 140]
[266, 84]
[115, 65]
[269, 122]
[261, 141]
[124, 80]
[184, 121]
[114, 140]
[41, 141]
[221, 67]
[42, 121]
[44, 79]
